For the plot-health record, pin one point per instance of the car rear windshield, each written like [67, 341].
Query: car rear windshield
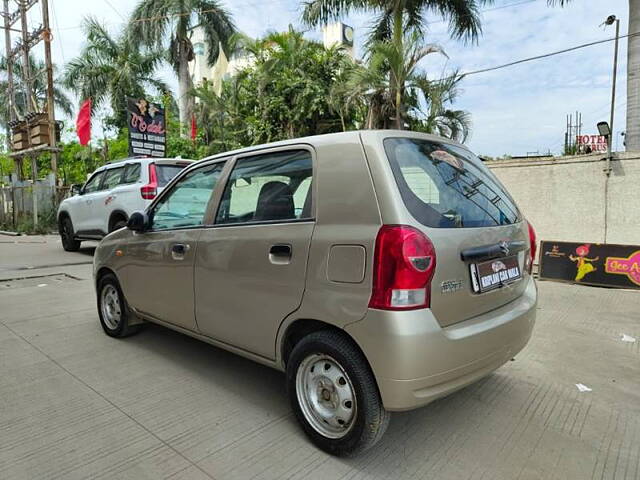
[447, 186]
[167, 172]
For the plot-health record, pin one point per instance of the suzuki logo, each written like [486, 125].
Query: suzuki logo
[504, 248]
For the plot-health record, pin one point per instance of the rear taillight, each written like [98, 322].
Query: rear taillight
[403, 267]
[150, 190]
[533, 247]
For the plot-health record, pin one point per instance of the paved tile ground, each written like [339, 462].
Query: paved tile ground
[75, 403]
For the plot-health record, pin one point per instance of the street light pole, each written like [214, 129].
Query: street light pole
[610, 21]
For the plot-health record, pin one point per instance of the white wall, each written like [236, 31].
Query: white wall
[565, 197]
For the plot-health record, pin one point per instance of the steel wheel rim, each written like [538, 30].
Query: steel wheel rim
[326, 396]
[110, 307]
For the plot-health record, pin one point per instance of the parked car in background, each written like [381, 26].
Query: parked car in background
[110, 195]
[380, 270]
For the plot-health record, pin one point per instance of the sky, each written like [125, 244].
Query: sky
[517, 110]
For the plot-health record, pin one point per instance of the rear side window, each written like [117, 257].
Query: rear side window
[166, 173]
[268, 188]
[447, 186]
[112, 178]
[131, 173]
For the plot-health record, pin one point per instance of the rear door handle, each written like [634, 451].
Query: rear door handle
[280, 254]
[178, 250]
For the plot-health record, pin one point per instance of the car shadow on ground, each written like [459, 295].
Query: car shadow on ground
[410, 433]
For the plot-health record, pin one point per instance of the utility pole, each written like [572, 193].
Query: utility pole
[26, 66]
[610, 21]
[50, 100]
[33, 131]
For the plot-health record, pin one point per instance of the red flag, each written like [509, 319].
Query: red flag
[194, 128]
[83, 122]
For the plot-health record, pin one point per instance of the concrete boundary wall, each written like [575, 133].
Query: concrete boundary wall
[571, 198]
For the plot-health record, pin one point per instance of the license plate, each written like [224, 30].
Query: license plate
[495, 273]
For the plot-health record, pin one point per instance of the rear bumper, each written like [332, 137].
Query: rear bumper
[415, 360]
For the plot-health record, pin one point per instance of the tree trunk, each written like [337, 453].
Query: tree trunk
[397, 38]
[185, 85]
[632, 137]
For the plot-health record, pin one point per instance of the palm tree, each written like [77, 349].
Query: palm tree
[433, 114]
[108, 70]
[61, 99]
[394, 20]
[154, 22]
[389, 80]
[395, 17]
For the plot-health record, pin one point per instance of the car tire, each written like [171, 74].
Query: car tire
[334, 394]
[117, 225]
[67, 235]
[113, 309]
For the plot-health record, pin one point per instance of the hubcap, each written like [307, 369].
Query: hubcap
[326, 395]
[110, 306]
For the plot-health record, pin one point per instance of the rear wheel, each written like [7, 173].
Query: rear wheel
[113, 309]
[334, 394]
[117, 224]
[67, 235]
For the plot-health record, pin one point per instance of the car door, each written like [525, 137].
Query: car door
[84, 208]
[102, 204]
[158, 271]
[250, 267]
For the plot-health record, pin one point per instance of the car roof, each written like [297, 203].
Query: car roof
[124, 161]
[317, 140]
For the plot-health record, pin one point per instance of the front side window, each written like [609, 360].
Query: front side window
[447, 186]
[112, 178]
[93, 185]
[268, 188]
[186, 204]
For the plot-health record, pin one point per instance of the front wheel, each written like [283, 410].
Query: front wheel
[113, 309]
[334, 394]
[67, 235]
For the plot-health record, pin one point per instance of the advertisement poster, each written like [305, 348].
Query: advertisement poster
[147, 134]
[606, 265]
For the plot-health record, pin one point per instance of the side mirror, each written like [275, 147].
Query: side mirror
[76, 189]
[138, 222]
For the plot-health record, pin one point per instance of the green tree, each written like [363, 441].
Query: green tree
[389, 80]
[286, 93]
[108, 70]
[156, 23]
[433, 112]
[396, 21]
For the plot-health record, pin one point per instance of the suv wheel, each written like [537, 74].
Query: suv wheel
[113, 309]
[67, 236]
[117, 224]
[334, 394]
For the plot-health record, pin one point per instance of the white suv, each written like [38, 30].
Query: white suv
[111, 195]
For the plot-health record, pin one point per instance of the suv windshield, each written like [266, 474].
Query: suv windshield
[167, 172]
[447, 186]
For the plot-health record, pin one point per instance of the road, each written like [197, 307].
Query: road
[75, 403]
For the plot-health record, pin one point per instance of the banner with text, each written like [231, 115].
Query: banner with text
[606, 265]
[147, 134]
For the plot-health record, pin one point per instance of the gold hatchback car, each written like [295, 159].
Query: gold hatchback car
[380, 270]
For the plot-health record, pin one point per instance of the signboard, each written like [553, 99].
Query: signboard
[147, 134]
[605, 265]
[591, 143]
